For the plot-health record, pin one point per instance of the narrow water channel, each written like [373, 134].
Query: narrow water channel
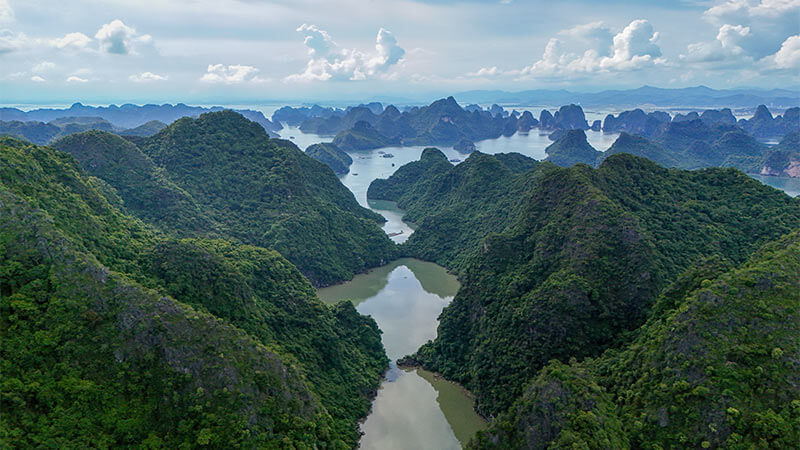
[414, 409]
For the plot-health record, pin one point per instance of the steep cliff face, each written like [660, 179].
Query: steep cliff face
[783, 160]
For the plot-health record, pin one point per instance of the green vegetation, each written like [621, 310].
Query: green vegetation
[431, 163]
[117, 334]
[362, 137]
[144, 188]
[268, 193]
[146, 129]
[331, 155]
[43, 133]
[558, 263]
[639, 146]
[572, 148]
[716, 367]
[36, 132]
[456, 206]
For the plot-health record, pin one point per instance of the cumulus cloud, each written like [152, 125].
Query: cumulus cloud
[232, 74]
[117, 38]
[330, 61]
[725, 48]
[770, 22]
[146, 76]
[318, 41]
[788, 57]
[633, 48]
[37, 79]
[43, 66]
[76, 79]
[591, 36]
[71, 41]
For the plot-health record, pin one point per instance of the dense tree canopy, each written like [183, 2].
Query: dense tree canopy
[560, 263]
[116, 333]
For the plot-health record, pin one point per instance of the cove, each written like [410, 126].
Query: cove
[413, 408]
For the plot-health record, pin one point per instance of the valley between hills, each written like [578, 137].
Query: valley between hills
[434, 276]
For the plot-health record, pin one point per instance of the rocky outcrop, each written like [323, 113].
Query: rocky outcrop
[570, 117]
[362, 137]
[764, 125]
[686, 117]
[637, 122]
[465, 146]
[526, 121]
[783, 160]
[718, 117]
[572, 148]
[331, 155]
[546, 120]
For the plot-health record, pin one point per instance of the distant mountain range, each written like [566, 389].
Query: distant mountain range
[128, 115]
[697, 97]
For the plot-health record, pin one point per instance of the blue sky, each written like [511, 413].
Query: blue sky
[251, 50]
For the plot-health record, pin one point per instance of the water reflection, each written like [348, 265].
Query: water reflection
[413, 409]
[406, 415]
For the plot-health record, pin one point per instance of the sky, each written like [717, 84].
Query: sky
[207, 51]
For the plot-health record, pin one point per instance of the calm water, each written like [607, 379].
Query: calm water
[789, 185]
[367, 166]
[414, 409]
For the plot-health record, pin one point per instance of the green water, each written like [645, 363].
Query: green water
[414, 409]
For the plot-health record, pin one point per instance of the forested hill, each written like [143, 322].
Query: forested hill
[716, 367]
[456, 205]
[118, 334]
[145, 189]
[221, 175]
[575, 258]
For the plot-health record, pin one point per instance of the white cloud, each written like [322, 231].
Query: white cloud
[633, 48]
[232, 74]
[788, 57]
[76, 79]
[37, 79]
[485, 72]
[117, 38]
[6, 13]
[770, 22]
[318, 41]
[43, 66]
[725, 48]
[637, 40]
[10, 41]
[591, 36]
[329, 61]
[146, 76]
[71, 41]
